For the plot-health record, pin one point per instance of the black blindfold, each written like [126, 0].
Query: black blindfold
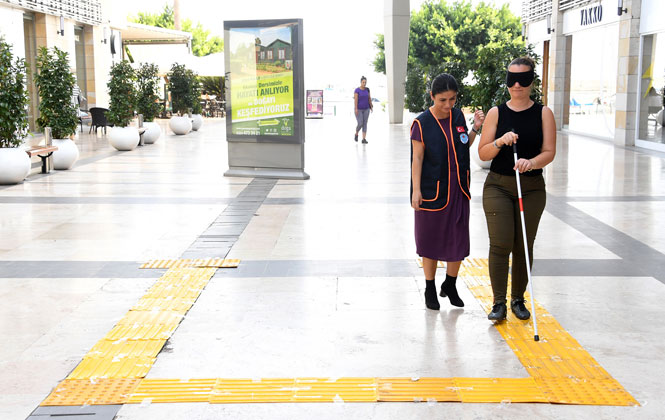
[524, 78]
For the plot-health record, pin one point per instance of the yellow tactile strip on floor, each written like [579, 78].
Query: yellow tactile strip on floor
[418, 390]
[201, 262]
[92, 392]
[563, 370]
[295, 390]
[173, 390]
[130, 348]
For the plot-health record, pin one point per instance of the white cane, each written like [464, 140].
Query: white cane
[526, 247]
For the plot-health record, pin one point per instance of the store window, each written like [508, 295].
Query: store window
[652, 85]
[593, 78]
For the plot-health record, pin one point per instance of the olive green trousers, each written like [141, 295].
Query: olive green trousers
[502, 212]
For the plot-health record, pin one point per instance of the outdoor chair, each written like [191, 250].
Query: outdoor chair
[98, 119]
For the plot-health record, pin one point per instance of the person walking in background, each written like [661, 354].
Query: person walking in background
[363, 105]
[531, 126]
[440, 177]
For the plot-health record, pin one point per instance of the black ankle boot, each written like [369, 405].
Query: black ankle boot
[498, 312]
[431, 301]
[449, 289]
[518, 308]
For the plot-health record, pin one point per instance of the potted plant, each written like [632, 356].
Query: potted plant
[181, 93]
[121, 109]
[14, 162]
[147, 82]
[55, 83]
[195, 100]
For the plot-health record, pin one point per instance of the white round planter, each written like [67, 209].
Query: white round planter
[476, 158]
[124, 138]
[66, 155]
[660, 117]
[197, 122]
[152, 132]
[180, 125]
[14, 165]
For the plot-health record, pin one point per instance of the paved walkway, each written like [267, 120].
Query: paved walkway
[327, 286]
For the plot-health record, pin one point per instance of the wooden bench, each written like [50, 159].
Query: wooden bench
[39, 151]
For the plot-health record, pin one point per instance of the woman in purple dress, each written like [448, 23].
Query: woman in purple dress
[440, 177]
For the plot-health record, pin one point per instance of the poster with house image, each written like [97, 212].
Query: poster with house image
[261, 85]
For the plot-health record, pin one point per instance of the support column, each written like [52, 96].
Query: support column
[558, 95]
[628, 74]
[396, 37]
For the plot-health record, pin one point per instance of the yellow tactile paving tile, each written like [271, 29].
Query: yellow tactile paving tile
[152, 318]
[165, 291]
[496, 390]
[95, 392]
[112, 367]
[335, 390]
[165, 304]
[253, 391]
[173, 390]
[140, 332]
[585, 391]
[126, 348]
[202, 262]
[417, 389]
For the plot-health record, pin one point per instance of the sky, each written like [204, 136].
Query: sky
[338, 37]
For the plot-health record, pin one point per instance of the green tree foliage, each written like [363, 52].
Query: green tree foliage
[122, 93]
[202, 42]
[13, 98]
[180, 86]
[213, 85]
[55, 83]
[474, 44]
[147, 83]
[194, 92]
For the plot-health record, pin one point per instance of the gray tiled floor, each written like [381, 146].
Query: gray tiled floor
[328, 285]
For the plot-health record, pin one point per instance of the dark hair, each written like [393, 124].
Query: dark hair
[443, 83]
[362, 78]
[524, 61]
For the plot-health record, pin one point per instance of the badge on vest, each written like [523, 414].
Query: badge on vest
[464, 138]
[460, 129]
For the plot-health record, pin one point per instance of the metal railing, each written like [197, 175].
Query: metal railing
[84, 11]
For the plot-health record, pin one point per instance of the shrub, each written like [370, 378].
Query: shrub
[194, 92]
[55, 83]
[13, 98]
[147, 82]
[122, 94]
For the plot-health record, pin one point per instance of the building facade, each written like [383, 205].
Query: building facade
[604, 65]
[85, 29]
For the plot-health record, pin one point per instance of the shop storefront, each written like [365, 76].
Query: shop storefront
[592, 42]
[651, 102]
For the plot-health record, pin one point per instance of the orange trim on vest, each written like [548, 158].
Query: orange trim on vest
[437, 192]
[448, 155]
[420, 127]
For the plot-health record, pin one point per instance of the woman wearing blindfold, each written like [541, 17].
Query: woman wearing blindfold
[531, 127]
[440, 194]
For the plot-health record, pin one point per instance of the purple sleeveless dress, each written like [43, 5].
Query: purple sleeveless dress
[444, 235]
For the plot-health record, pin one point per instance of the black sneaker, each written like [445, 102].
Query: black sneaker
[498, 312]
[518, 308]
[355, 137]
[364, 141]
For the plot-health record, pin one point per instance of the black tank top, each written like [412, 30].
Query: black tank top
[528, 125]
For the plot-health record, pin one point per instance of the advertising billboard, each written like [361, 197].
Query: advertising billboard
[262, 80]
[265, 98]
[314, 106]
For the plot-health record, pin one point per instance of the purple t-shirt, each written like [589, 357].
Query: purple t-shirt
[363, 98]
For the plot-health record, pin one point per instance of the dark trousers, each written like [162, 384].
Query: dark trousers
[502, 212]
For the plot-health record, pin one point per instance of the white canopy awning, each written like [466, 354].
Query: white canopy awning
[136, 33]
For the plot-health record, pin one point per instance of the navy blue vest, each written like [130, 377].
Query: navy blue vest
[435, 182]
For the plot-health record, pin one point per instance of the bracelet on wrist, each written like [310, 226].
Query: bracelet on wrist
[496, 145]
[474, 130]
